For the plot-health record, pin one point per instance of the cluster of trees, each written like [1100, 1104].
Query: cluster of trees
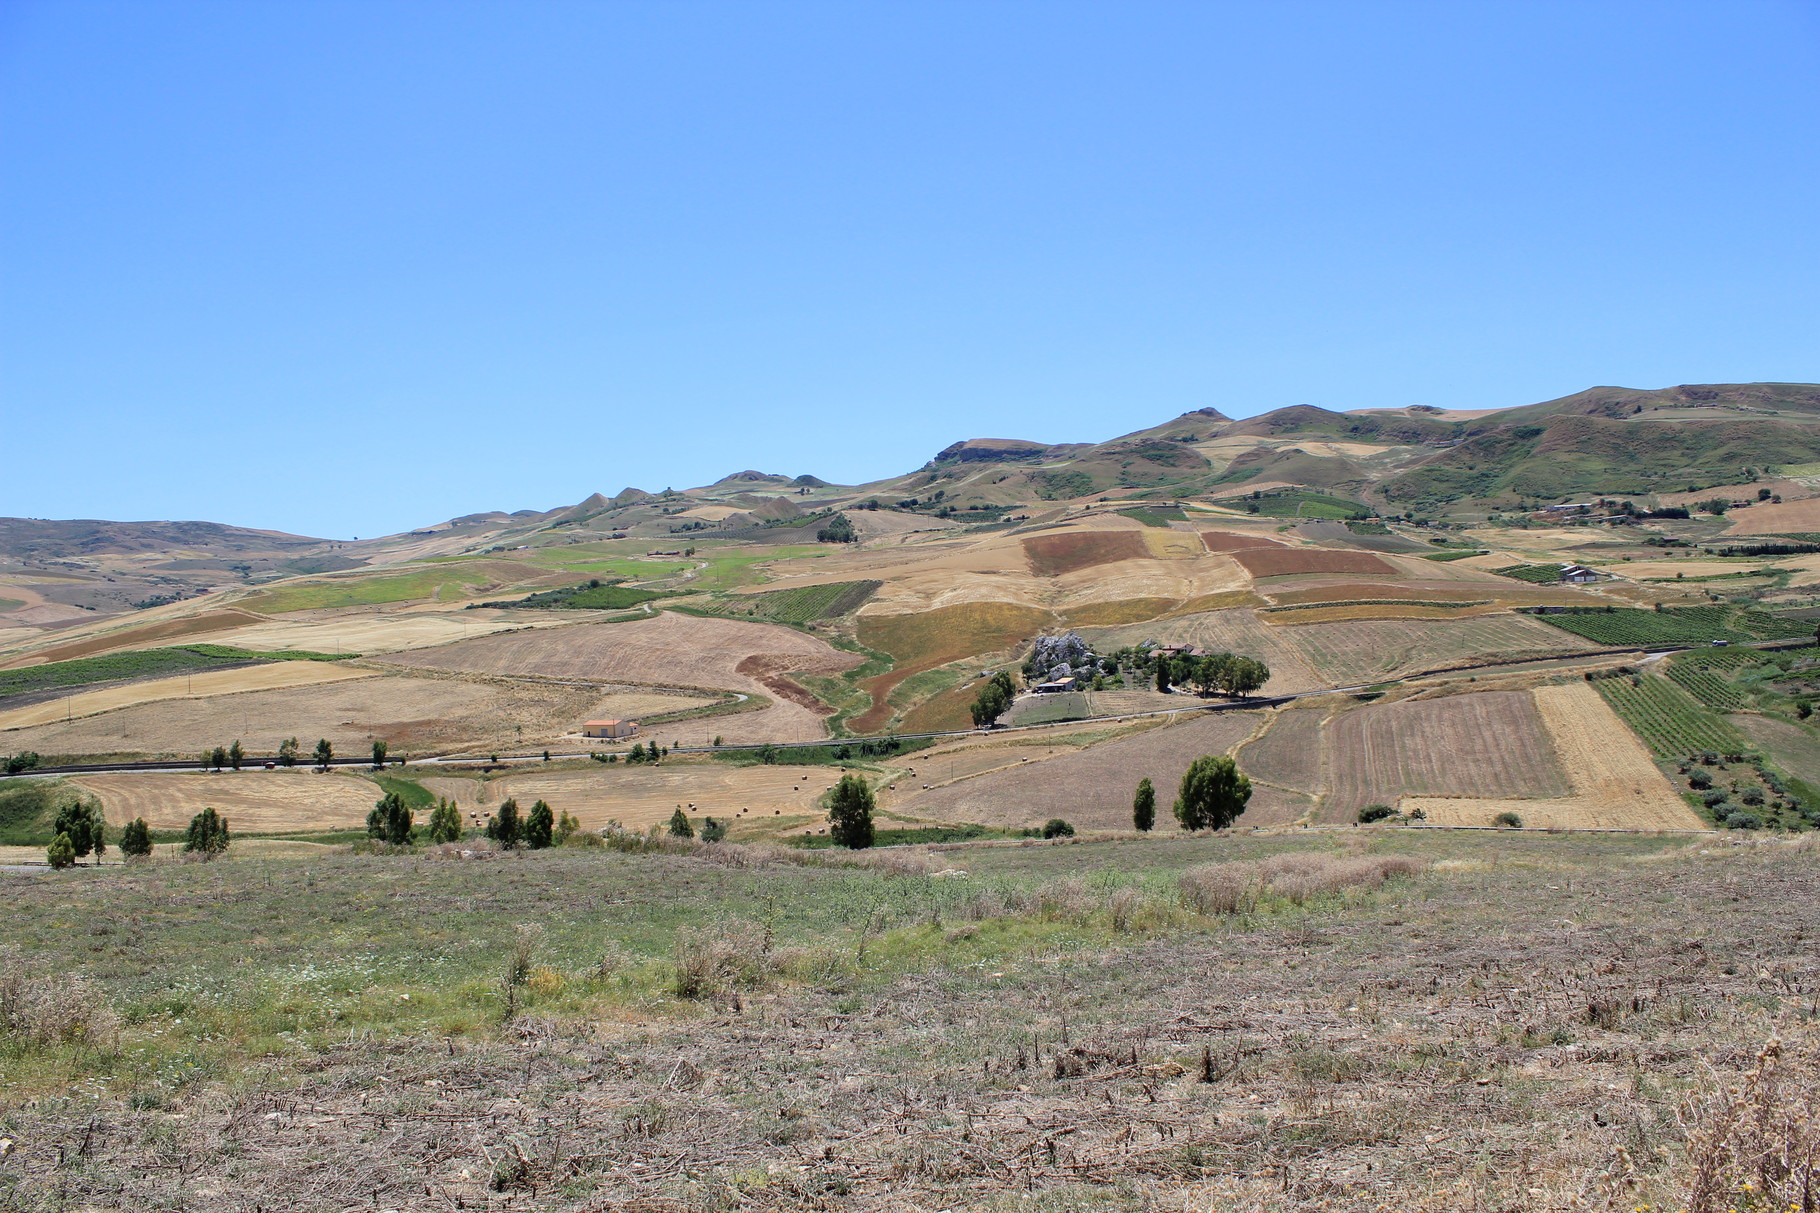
[838, 530]
[993, 700]
[78, 832]
[207, 835]
[234, 756]
[712, 829]
[653, 753]
[534, 830]
[1212, 796]
[24, 760]
[1225, 673]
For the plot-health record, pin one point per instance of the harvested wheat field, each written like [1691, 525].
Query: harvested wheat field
[1233, 631]
[270, 676]
[668, 650]
[1090, 788]
[1776, 519]
[1232, 541]
[1363, 652]
[1490, 744]
[145, 636]
[411, 714]
[252, 801]
[1287, 755]
[637, 797]
[1615, 784]
[372, 631]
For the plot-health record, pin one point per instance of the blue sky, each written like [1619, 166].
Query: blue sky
[346, 268]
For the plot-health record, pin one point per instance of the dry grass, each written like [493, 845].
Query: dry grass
[1755, 1143]
[1375, 611]
[642, 796]
[1111, 614]
[39, 1009]
[1363, 652]
[1297, 878]
[1768, 519]
[1616, 785]
[1351, 591]
[271, 676]
[387, 630]
[928, 639]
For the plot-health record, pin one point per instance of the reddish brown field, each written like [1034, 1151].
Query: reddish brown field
[141, 637]
[1091, 788]
[1412, 591]
[1071, 551]
[1491, 744]
[1112, 614]
[1230, 541]
[1270, 562]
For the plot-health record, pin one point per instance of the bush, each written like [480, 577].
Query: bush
[1714, 798]
[1220, 888]
[679, 825]
[207, 835]
[1699, 780]
[37, 1011]
[1055, 827]
[713, 830]
[1743, 821]
[61, 853]
[1508, 820]
[136, 839]
[1375, 812]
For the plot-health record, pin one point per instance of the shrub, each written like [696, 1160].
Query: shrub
[1714, 798]
[713, 830]
[136, 839]
[1508, 820]
[1220, 888]
[1375, 812]
[1055, 827]
[1699, 780]
[727, 956]
[61, 853]
[1743, 821]
[37, 1011]
[679, 825]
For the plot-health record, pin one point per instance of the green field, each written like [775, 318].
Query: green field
[362, 591]
[1628, 626]
[141, 663]
[1159, 516]
[1672, 723]
[11, 604]
[1538, 574]
[804, 604]
[1299, 503]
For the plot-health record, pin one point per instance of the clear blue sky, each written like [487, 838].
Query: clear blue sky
[346, 268]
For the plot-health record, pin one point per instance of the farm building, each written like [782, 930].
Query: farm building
[1057, 687]
[610, 728]
[1578, 574]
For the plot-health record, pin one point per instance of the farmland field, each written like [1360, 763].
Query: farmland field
[1090, 788]
[413, 715]
[1705, 680]
[1232, 541]
[669, 650]
[1112, 614]
[1283, 562]
[143, 636]
[1288, 754]
[1626, 626]
[375, 632]
[1072, 551]
[446, 582]
[1791, 746]
[805, 604]
[252, 801]
[638, 797]
[1488, 744]
[1670, 721]
[1615, 785]
[209, 682]
[140, 663]
[1348, 654]
[928, 639]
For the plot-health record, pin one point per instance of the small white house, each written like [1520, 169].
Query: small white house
[610, 728]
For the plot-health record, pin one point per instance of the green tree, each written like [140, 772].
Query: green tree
[1243, 675]
[207, 834]
[379, 749]
[1213, 793]
[540, 826]
[62, 852]
[1143, 806]
[86, 828]
[287, 752]
[236, 754]
[218, 757]
[136, 839]
[679, 825]
[445, 822]
[325, 753]
[713, 830]
[993, 700]
[566, 825]
[850, 807]
[837, 530]
[505, 827]
[390, 821]
[1056, 827]
[1162, 673]
[637, 753]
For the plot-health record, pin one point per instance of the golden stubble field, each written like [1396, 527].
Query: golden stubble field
[276, 675]
[638, 797]
[263, 801]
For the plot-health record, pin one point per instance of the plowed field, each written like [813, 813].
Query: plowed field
[1615, 784]
[1071, 551]
[1357, 653]
[1491, 744]
[1089, 788]
[1288, 755]
[262, 801]
[1273, 562]
[1230, 541]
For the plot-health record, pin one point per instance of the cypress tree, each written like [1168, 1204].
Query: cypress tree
[679, 825]
[850, 807]
[136, 839]
[540, 825]
[1143, 806]
[505, 827]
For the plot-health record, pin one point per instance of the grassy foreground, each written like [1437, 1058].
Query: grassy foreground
[1522, 1023]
